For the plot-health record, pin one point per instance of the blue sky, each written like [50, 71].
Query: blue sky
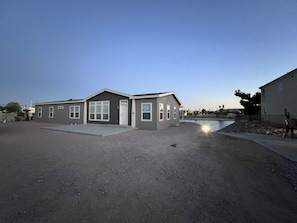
[202, 50]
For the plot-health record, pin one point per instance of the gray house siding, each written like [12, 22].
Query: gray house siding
[114, 103]
[60, 113]
[155, 122]
[146, 124]
[278, 98]
[171, 101]
[112, 107]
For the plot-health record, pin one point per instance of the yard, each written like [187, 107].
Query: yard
[179, 174]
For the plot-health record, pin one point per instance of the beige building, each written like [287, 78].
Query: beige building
[279, 98]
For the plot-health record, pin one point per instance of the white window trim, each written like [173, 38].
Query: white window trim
[74, 106]
[51, 114]
[95, 111]
[161, 112]
[39, 112]
[151, 114]
[174, 112]
[168, 112]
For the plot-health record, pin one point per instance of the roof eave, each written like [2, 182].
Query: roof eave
[59, 102]
[279, 78]
[110, 91]
[157, 96]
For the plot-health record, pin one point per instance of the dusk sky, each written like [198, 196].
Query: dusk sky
[203, 50]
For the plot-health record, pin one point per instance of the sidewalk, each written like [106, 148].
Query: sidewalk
[285, 147]
[91, 129]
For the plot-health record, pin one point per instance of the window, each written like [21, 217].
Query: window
[99, 111]
[39, 112]
[51, 112]
[168, 112]
[74, 112]
[146, 111]
[174, 112]
[161, 111]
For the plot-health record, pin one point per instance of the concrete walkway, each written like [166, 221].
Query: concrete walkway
[285, 147]
[92, 129]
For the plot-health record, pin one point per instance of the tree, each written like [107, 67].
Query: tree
[13, 107]
[251, 104]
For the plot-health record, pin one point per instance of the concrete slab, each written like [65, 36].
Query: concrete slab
[286, 147]
[91, 129]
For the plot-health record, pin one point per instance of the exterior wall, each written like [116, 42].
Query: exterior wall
[62, 110]
[61, 113]
[279, 99]
[156, 124]
[146, 124]
[114, 103]
[168, 100]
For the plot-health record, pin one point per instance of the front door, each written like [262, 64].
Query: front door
[123, 112]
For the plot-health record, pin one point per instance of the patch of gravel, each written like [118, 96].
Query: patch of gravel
[254, 127]
[289, 168]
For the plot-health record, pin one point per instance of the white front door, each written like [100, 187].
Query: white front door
[123, 112]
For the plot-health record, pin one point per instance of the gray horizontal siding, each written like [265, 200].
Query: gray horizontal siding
[146, 124]
[114, 102]
[60, 115]
[168, 100]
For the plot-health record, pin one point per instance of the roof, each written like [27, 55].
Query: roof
[281, 77]
[156, 95]
[61, 102]
[137, 96]
[110, 91]
[149, 94]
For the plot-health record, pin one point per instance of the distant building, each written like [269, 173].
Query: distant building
[143, 111]
[7, 117]
[279, 98]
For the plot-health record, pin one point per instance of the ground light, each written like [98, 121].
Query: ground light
[205, 128]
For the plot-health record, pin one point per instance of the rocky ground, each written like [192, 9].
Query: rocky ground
[289, 167]
[255, 127]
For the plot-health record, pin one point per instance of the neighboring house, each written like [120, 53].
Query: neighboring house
[7, 117]
[279, 98]
[143, 111]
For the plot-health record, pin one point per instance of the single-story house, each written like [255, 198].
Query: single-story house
[143, 111]
[279, 98]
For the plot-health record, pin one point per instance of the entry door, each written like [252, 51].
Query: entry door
[123, 112]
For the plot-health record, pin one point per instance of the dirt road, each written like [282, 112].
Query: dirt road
[179, 174]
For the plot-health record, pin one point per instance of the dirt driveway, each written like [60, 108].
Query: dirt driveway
[174, 175]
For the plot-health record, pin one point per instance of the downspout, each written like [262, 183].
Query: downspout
[133, 114]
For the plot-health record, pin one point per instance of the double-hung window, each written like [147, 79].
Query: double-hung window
[168, 112]
[146, 111]
[74, 112]
[161, 111]
[39, 112]
[174, 112]
[99, 111]
[51, 112]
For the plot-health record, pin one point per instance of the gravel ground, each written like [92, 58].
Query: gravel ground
[179, 174]
[256, 127]
[289, 168]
